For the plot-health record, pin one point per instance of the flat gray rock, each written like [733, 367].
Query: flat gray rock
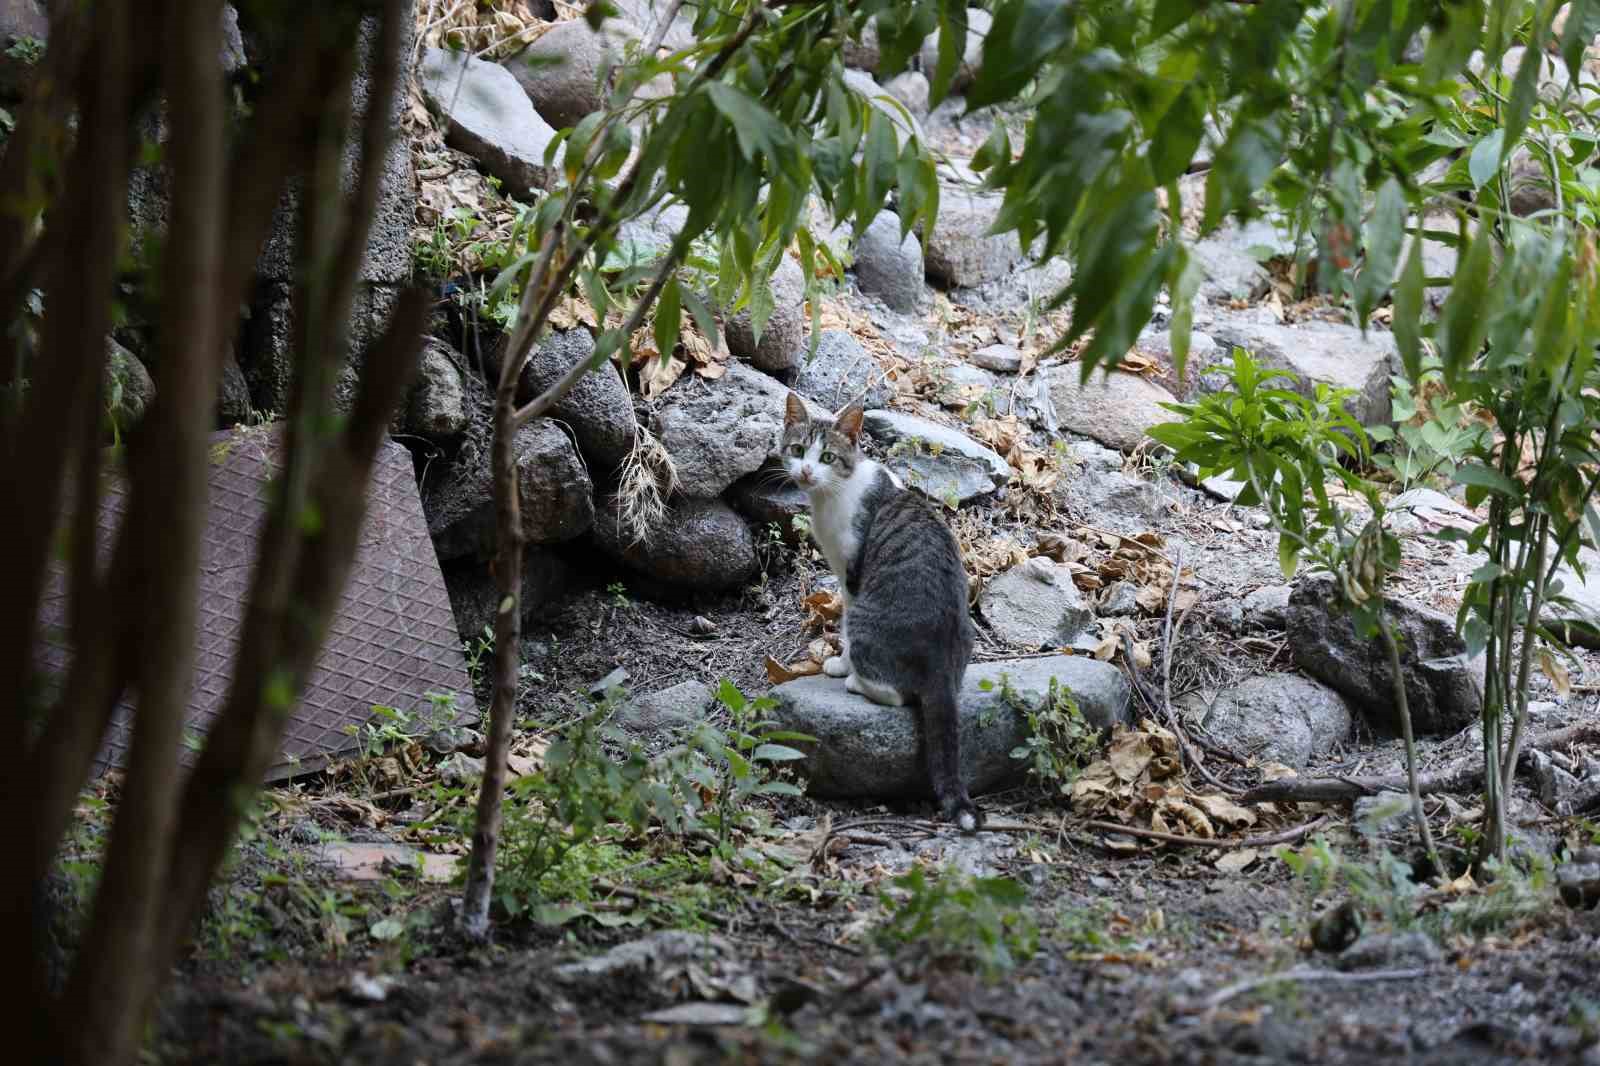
[842, 372]
[979, 22]
[1112, 499]
[489, 117]
[864, 749]
[1444, 689]
[1035, 605]
[1282, 717]
[1115, 409]
[1000, 358]
[668, 710]
[1325, 353]
[889, 266]
[943, 463]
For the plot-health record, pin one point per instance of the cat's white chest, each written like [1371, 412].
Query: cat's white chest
[834, 515]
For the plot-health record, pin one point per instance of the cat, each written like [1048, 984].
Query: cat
[906, 636]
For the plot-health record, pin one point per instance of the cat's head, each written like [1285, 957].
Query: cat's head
[819, 455]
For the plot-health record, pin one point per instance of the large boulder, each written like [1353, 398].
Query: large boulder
[1231, 259]
[943, 463]
[1115, 409]
[1282, 717]
[782, 340]
[699, 546]
[1444, 688]
[129, 389]
[233, 396]
[961, 252]
[1035, 605]
[488, 116]
[865, 749]
[887, 104]
[436, 407]
[769, 500]
[562, 71]
[556, 493]
[719, 431]
[598, 409]
[889, 266]
[842, 372]
[1111, 498]
[1319, 353]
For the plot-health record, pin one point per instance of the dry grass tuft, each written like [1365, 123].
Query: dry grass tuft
[648, 478]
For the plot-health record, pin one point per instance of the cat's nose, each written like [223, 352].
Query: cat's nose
[806, 475]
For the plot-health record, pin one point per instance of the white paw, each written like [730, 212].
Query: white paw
[851, 683]
[837, 666]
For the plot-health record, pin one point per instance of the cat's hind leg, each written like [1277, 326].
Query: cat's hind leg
[839, 665]
[876, 691]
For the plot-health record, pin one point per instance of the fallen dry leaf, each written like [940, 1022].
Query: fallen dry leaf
[778, 673]
[1224, 810]
[1232, 862]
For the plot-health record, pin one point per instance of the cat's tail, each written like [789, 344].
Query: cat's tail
[941, 724]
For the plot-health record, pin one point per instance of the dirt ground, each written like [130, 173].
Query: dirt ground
[1147, 953]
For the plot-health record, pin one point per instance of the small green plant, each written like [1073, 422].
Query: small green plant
[801, 524]
[976, 921]
[742, 762]
[388, 726]
[1431, 435]
[479, 651]
[618, 593]
[26, 49]
[1060, 742]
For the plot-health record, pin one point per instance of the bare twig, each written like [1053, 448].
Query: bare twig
[1288, 836]
[1304, 975]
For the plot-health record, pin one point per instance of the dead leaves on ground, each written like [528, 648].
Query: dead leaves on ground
[1139, 781]
[817, 653]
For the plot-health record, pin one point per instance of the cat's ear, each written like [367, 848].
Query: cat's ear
[794, 412]
[849, 422]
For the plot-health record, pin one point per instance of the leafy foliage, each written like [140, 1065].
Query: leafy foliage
[976, 921]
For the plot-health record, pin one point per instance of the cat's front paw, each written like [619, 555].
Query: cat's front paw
[836, 666]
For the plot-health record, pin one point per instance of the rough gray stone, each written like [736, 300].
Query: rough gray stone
[1390, 951]
[943, 463]
[863, 54]
[437, 405]
[556, 494]
[1282, 717]
[1443, 688]
[1000, 358]
[1232, 259]
[129, 389]
[1115, 409]
[267, 352]
[841, 372]
[782, 341]
[1157, 343]
[1577, 609]
[911, 89]
[598, 410]
[1035, 604]
[1316, 353]
[979, 23]
[1120, 600]
[647, 15]
[490, 118]
[1093, 456]
[474, 596]
[670, 709]
[888, 266]
[960, 252]
[1267, 607]
[700, 546]
[232, 54]
[1113, 499]
[719, 431]
[562, 71]
[233, 396]
[864, 749]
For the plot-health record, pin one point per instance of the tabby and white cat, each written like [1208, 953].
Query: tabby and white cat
[906, 633]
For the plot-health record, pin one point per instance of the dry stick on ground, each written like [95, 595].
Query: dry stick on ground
[1288, 836]
[1462, 777]
[1222, 995]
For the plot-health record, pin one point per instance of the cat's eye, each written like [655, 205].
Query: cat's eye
[797, 449]
[827, 457]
